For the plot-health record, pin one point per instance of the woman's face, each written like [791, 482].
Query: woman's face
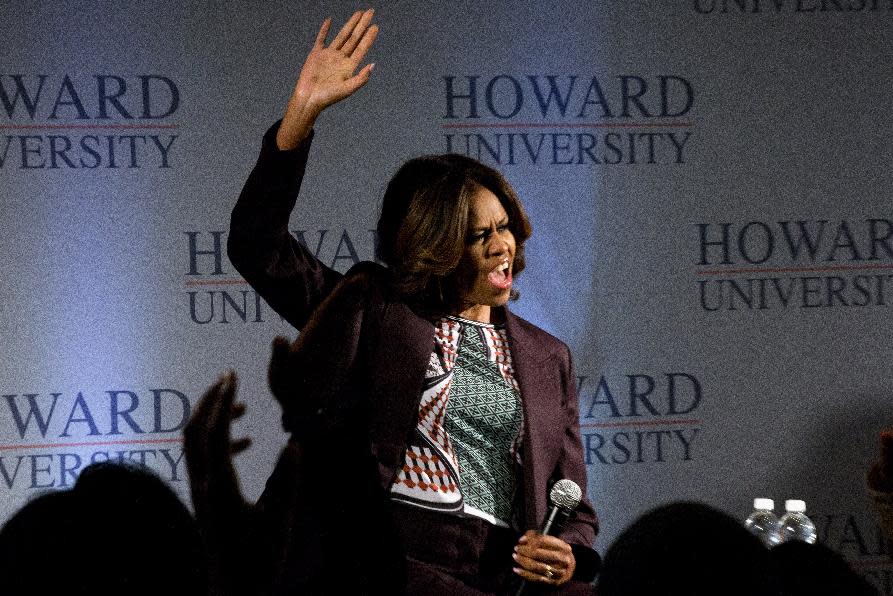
[484, 274]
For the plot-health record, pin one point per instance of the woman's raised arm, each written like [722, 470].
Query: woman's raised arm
[329, 75]
[291, 278]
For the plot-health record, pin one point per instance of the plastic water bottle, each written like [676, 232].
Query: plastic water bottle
[763, 523]
[794, 525]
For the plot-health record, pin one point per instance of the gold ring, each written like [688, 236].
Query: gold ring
[550, 573]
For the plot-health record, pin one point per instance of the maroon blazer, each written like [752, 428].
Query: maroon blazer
[363, 350]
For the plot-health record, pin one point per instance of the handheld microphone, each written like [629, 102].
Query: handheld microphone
[563, 498]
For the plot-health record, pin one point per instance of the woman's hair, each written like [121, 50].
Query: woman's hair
[423, 226]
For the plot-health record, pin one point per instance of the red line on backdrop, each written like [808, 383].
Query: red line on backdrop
[639, 423]
[90, 444]
[211, 282]
[215, 282]
[86, 126]
[572, 125]
[796, 269]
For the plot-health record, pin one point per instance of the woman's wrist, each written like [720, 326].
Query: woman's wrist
[300, 116]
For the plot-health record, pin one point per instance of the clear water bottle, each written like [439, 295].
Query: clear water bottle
[763, 523]
[794, 525]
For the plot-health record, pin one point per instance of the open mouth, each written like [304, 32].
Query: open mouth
[501, 276]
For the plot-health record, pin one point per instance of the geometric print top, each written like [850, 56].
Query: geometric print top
[465, 447]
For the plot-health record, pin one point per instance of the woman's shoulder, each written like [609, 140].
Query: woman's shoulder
[523, 331]
[367, 276]
[368, 270]
[362, 278]
[367, 284]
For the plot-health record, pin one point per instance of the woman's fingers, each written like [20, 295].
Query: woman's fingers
[358, 80]
[544, 558]
[364, 44]
[326, 77]
[534, 542]
[540, 561]
[323, 33]
[540, 571]
[346, 30]
[357, 34]
[543, 577]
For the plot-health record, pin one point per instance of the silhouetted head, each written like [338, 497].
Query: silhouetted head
[802, 569]
[685, 549]
[119, 530]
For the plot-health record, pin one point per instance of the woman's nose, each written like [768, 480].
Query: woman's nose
[498, 245]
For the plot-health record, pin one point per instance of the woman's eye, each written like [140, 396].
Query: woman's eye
[484, 234]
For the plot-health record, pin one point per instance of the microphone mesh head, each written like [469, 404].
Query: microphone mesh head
[565, 494]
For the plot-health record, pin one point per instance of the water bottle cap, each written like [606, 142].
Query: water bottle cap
[795, 506]
[761, 503]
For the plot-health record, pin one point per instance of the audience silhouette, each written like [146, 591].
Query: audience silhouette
[120, 530]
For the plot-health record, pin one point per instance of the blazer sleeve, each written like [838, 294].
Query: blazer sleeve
[316, 379]
[281, 269]
[580, 532]
[325, 489]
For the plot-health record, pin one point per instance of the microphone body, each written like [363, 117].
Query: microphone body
[555, 520]
[563, 498]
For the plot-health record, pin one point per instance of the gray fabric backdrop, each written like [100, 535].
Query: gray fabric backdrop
[709, 183]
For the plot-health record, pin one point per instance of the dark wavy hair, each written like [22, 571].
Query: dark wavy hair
[423, 226]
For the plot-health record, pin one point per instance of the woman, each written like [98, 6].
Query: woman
[365, 387]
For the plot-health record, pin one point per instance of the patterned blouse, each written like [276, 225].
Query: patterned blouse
[465, 448]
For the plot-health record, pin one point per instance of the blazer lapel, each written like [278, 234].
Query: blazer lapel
[405, 344]
[535, 375]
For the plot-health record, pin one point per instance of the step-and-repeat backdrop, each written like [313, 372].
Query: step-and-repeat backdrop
[709, 183]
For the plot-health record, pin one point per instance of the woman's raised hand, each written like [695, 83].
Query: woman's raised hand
[329, 75]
